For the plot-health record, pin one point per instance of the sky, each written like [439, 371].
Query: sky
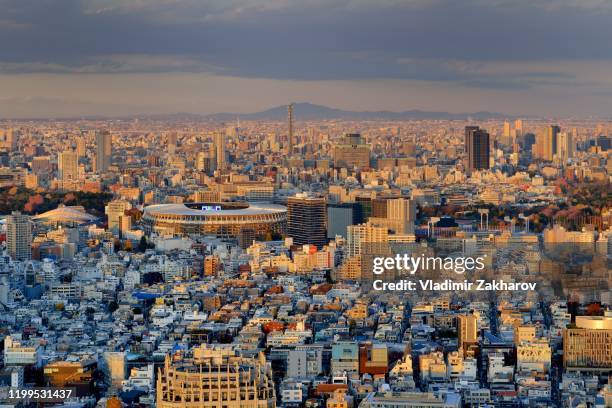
[549, 58]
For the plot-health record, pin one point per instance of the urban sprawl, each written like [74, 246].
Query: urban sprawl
[182, 263]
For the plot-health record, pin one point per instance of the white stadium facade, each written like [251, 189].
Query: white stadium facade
[225, 220]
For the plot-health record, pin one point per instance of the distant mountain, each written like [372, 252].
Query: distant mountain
[309, 111]
[301, 111]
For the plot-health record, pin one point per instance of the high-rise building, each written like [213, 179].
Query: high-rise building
[19, 236]
[546, 143]
[358, 236]
[114, 210]
[68, 166]
[506, 133]
[518, 126]
[290, 127]
[467, 329]
[477, 148]
[565, 146]
[201, 161]
[352, 151]
[307, 220]
[172, 140]
[81, 148]
[215, 378]
[340, 216]
[220, 150]
[104, 151]
[587, 346]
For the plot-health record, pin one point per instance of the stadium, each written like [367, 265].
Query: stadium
[241, 220]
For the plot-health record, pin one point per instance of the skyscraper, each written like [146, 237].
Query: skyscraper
[477, 148]
[518, 127]
[172, 140]
[290, 125]
[81, 148]
[565, 146]
[220, 150]
[104, 151]
[546, 143]
[340, 216]
[68, 165]
[506, 134]
[307, 220]
[19, 236]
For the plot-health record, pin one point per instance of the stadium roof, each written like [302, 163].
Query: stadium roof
[66, 214]
[181, 209]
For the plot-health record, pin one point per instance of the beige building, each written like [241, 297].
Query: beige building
[352, 151]
[215, 378]
[467, 330]
[587, 346]
[115, 210]
[68, 166]
[19, 236]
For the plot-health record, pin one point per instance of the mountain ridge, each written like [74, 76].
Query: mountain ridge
[310, 111]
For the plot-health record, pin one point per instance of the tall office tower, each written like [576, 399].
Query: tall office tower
[19, 236]
[215, 378]
[81, 148]
[518, 125]
[565, 146]
[506, 134]
[114, 210]
[171, 140]
[220, 151]
[201, 161]
[546, 143]
[587, 346]
[290, 129]
[307, 220]
[352, 151]
[104, 151]
[68, 166]
[467, 330]
[477, 147]
[340, 216]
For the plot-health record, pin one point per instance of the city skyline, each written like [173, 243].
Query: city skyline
[117, 58]
[306, 204]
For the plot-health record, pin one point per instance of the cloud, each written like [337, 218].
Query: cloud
[504, 45]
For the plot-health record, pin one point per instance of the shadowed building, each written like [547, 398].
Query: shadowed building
[477, 147]
[307, 220]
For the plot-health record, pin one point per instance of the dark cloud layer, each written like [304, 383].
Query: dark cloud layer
[107, 56]
[440, 40]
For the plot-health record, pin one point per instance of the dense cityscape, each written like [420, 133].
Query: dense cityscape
[181, 262]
